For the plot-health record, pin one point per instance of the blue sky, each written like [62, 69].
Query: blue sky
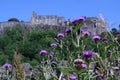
[70, 9]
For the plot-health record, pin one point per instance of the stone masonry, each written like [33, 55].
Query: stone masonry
[47, 19]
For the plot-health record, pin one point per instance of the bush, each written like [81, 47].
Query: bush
[13, 19]
[3, 58]
[33, 62]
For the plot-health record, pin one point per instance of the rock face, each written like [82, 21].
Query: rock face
[2, 71]
[93, 24]
[30, 72]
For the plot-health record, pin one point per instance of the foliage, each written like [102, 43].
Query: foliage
[69, 56]
[28, 44]
[13, 19]
[3, 58]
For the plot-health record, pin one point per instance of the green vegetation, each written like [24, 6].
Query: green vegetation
[29, 44]
[13, 19]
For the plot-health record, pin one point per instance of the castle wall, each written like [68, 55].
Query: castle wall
[3, 25]
[29, 27]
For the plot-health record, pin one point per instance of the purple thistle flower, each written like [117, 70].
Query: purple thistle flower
[81, 18]
[74, 21]
[82, 30]
[85, 32]
[7, 65]
[100, 78]
[117, 33]
[77, 20]
[43, 52]
[53, 62]
[53, 45]
[51, 56]
[96, 37]
[84, 65]
[88, 54]
[72, 76]
[68, 30]
[78, 63]
[116, 68]
[64, 79]
[105, 40]
[42, 62]
[60, 35]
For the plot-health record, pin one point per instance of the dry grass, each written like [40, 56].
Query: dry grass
[19, 67]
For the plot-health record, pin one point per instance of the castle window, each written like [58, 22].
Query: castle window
[94, 25]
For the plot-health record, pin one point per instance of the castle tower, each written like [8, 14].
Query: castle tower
[33, 18]
[103, 25]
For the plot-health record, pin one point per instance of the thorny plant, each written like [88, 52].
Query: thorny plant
[77, 55]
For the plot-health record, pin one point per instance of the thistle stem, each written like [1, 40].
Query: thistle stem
[78, 77]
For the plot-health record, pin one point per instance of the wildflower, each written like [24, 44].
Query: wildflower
[73, 21]
[85, 33]
[100, 78]
[68, 30]
[53, 62]
[72, 76]
[42, 62]
[43, 52]
[82, 30]
[60, 35]
[116, 67]
[84, 65]
[51, 56]
[96, 37]
[53, 45]
[64, 79]
[7, 65]
[81, 18]
[105, 40]
[78, 63]
[88, 54]
[117, 33]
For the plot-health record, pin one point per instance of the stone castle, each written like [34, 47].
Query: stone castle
[92, 24]
[47, 19]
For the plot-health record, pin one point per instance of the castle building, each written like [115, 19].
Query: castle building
[47, 19]
[95, 25]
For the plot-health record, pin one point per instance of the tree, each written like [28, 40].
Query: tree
[13, 20]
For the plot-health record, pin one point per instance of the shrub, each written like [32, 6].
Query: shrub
[3, 58]
[13, 20]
